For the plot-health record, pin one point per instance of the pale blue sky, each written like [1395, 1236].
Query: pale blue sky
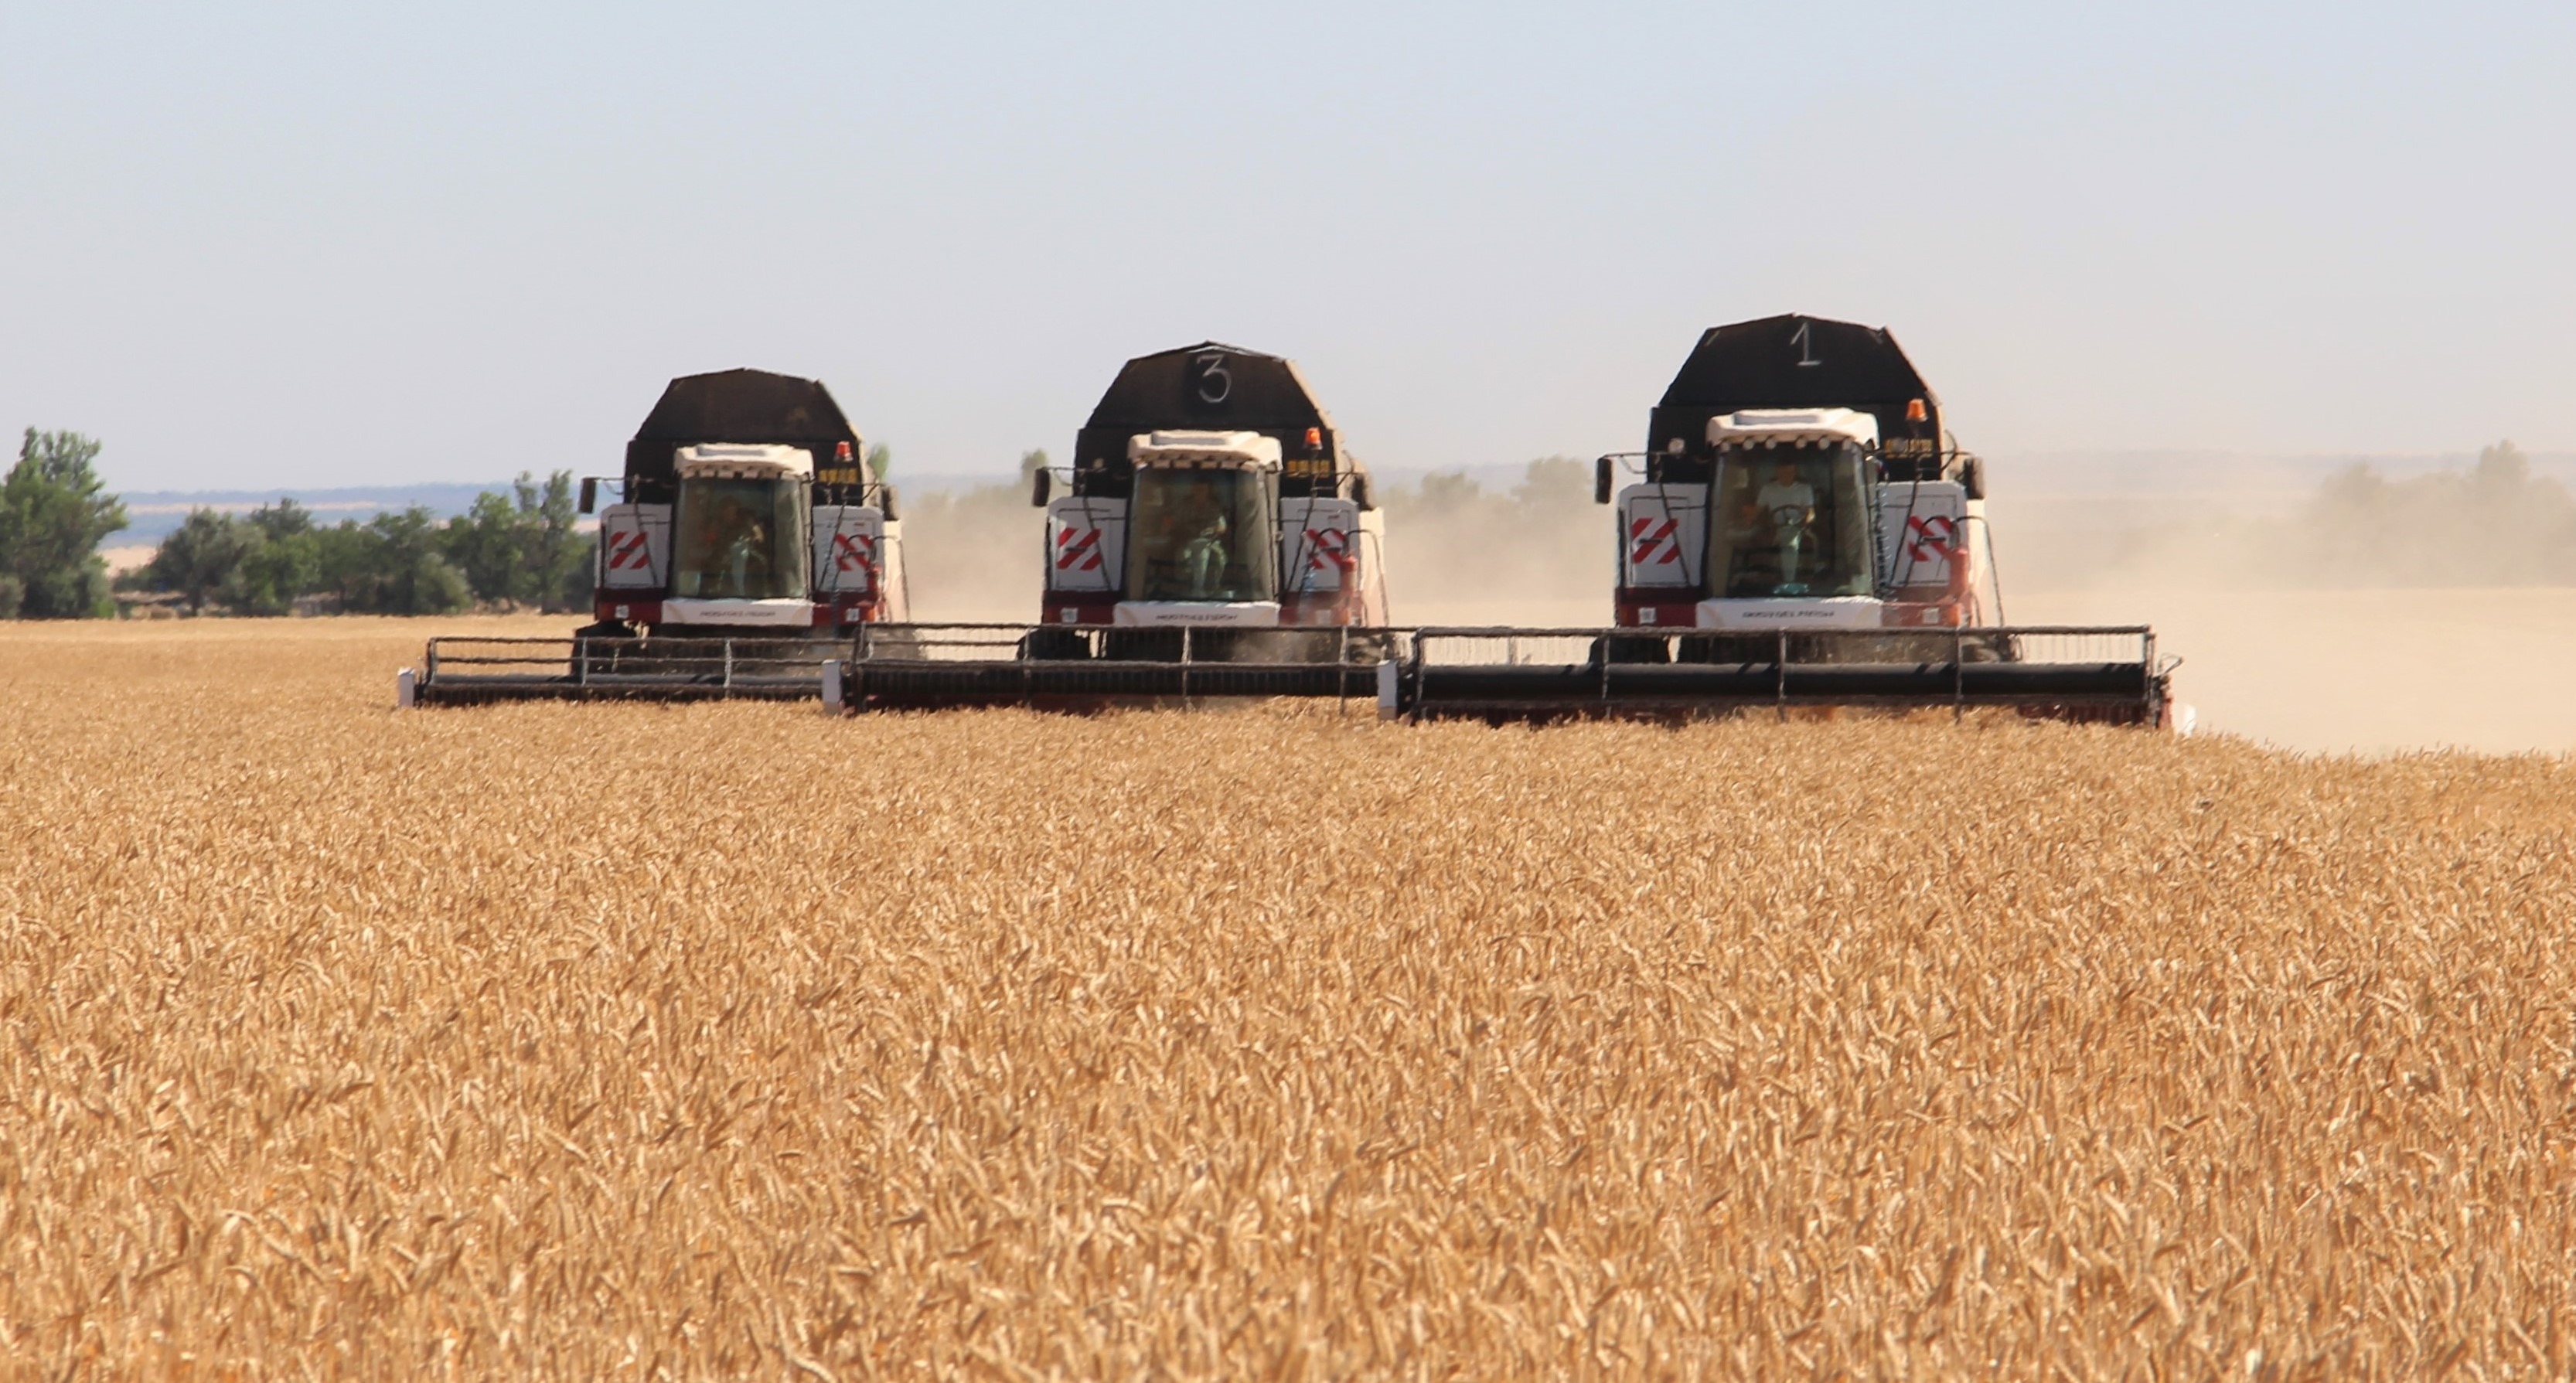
[309, 245]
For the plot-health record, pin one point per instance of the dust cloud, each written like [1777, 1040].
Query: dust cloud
[2369, 614]
[1461, 552]
[974, 554]
[2369, 671]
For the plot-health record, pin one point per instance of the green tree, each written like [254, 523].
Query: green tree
[519, 547]
[343, 561]
[406, 573]
[284, 561]
[560, 553]
[53, 512]
[1031, 462]
[574, 588]
[488, 545]
[201, 557]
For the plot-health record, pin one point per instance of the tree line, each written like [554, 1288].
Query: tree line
[521, 548]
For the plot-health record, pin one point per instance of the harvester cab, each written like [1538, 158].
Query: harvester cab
[1799, 526]
[1801, 531]
[1217, 541]
[728, 526]
[731, 563]
[1191, 543]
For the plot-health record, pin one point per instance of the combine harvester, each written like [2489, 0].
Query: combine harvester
[746, 545]
[1803, 532]
[1218, 540]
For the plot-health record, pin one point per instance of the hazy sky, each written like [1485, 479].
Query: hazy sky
[308, 245]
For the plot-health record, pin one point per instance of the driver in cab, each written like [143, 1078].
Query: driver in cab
[740, 542]
[1789, 505]
[1203, 556]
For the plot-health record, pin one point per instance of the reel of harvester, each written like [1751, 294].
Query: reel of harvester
[472, 671]
[1096, 667]
[2063, 672]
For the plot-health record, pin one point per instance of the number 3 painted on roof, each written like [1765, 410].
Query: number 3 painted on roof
[1212, 373]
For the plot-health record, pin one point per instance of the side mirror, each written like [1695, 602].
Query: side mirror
[590, 494]
[885, 504]
[1041, 486]
[1362, 493]
[1601, 480]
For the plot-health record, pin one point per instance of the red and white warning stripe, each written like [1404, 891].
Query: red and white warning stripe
[1653, 542]
[1328, 549]
[1931, 539]
[1077, 549]
[628, 551]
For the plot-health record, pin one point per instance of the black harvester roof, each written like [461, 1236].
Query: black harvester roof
[746, 407]
[1795, 361]
[1218, 388]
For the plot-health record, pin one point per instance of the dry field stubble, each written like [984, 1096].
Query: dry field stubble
[732, 1040]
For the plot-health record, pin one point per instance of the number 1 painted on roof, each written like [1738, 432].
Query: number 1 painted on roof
[1806, 347]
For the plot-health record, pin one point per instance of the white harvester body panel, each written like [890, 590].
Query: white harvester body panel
[1828, 612]
[1923, 530]
[788, 613]
[851, 545]
[1321, 541]
[1086, 544]
[1205, 614]
[634, 547]
[1663, 535]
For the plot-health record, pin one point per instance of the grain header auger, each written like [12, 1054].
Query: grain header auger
[1218, 540]
[1801, 531]
[747, 543]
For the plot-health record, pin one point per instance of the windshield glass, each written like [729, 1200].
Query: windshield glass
[1792, 522]
[741, 540]
[1202, 535]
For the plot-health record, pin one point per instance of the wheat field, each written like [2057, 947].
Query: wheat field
[738, 1041]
